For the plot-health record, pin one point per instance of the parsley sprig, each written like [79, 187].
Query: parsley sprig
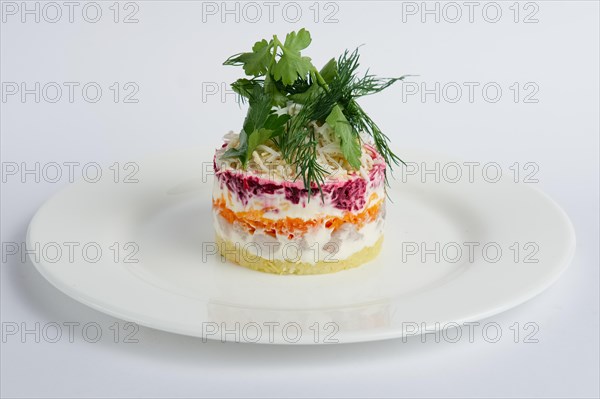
[278, 73]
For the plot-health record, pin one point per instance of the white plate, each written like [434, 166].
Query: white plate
[178, 286]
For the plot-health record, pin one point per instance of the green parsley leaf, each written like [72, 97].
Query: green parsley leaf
[259, 110]
[276, 123]
[292, 64]
[257, 138]
[303, 98]
[241, 150]
[273, 126]
[260, 125]
[277, 97]
[348, 140]
[329, 71]
[255, 63]
[297, 41]
[245, 87]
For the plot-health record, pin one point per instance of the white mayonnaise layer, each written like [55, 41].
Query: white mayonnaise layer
[319, 244]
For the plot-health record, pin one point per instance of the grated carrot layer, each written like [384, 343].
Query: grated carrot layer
[294, 227]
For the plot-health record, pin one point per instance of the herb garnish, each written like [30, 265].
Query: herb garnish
[279, 74]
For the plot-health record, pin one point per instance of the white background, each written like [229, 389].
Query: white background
[173, 55]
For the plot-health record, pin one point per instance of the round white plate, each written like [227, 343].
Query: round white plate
[144, 252]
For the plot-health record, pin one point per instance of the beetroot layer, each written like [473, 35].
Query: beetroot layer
[347, 194]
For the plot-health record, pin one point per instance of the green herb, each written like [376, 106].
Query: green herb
[278, 74]
[292, 64]
[260, 125]
[349, 142]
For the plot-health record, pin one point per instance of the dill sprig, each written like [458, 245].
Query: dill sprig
[300, 150]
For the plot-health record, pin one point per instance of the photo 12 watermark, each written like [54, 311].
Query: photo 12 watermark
[469, 252]
[490, 332]
[69, 12]
[73, 252]
[256, 252]
[252, 12]
[290, 332]
[53, 332]
[489, 92]
[470, 12]
[69, 172]
[452, 172]
[69, 92]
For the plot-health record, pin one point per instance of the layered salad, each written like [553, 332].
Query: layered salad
[301, 188]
